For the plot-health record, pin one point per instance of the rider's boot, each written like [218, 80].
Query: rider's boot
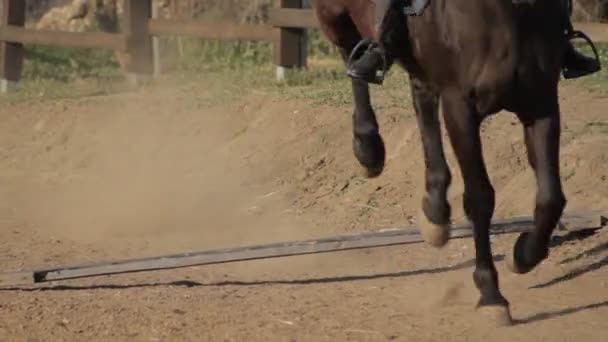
[376, 58]
[576, 64]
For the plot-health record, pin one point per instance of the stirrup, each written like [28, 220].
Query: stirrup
[358, 51]
[574, 34]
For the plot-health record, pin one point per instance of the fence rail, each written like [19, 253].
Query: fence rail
[286, 30]
[292, 18]
[225, 31]
[100, 40]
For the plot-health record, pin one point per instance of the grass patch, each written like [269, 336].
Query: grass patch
[598, 126]
[195, 55]
[328, 84]
[68, 64]
[50, 72]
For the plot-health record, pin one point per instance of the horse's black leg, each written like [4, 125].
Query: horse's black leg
[542, 136]
[463, 125]
[435, 218]
[368, 145]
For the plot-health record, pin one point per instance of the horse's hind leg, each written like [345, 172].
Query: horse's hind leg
[542, 135]
[435, 218]
[368, 145]
[463, 125]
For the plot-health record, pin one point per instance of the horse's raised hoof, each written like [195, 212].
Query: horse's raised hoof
[436, 235]
[499, 315]
[522, 261]
[370, 152]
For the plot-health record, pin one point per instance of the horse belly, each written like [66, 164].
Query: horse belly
[495, 78]
[470, 46]
[484, 73]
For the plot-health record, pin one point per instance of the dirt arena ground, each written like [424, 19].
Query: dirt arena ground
[191, 165]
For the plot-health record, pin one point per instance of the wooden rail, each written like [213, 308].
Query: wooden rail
[569, 223]
[292, 18]
[222, 31]
[100, 40]
[286, 30]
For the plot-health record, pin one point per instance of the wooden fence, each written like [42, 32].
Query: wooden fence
[286, 30]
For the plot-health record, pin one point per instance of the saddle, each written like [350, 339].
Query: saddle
[417, 7]
[377, 63]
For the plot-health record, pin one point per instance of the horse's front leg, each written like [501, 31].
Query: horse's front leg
[463, 125]
[436, 211]
[368, 145]
[542, 134]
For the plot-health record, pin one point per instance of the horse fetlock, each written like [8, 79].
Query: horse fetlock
[434, 229]
[527, 254]
[486, 278]
[492, 303]
[436, 207]
[370, 152]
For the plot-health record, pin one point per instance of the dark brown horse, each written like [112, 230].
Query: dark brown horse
[476, 58]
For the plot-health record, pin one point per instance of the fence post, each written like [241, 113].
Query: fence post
[156, 43]
[12, 12]
[139, 62]
[290, 44]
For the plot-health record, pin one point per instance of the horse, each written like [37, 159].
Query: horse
[476, 58]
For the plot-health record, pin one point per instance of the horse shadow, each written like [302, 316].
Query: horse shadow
[560, 313]
[579, 271]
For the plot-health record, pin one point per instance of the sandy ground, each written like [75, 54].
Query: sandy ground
[178, 167]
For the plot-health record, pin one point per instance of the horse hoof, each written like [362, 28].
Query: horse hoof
[499, 315]
[519, 261]
[370, 152]
[513, 266]
[436, 235]
[512, 263]
[373, 172]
